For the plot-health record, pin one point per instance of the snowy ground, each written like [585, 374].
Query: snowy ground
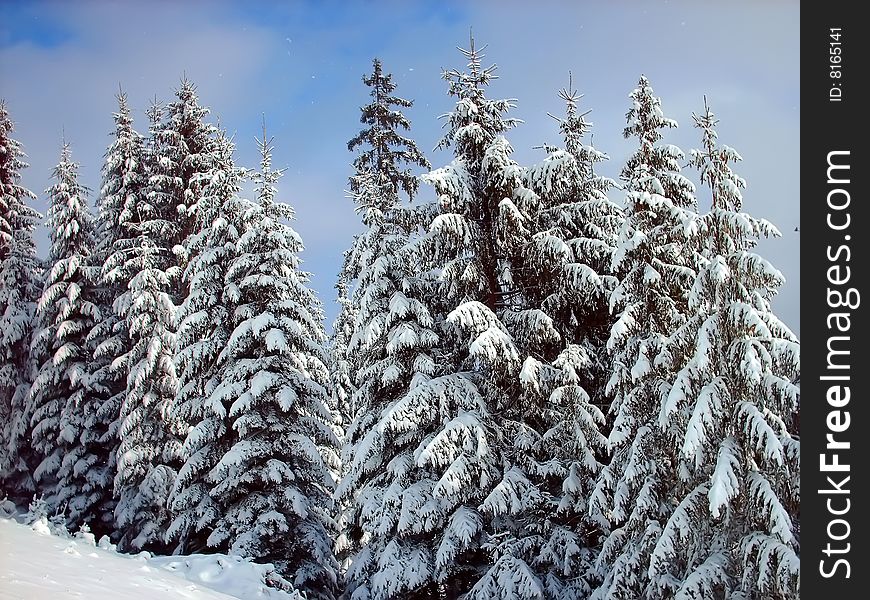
[36, 565]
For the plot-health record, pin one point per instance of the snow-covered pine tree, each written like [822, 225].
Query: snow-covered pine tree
[576, 226]
[122, 192]
[178, 160]
[655, 263]
[204, 329]
[275, 483]
[183, 143]
[13, 201]
[74, 473]
[387, 342]
[388, 156]
[564, 273]
[728, 409]
[149, 452]
[20, 273]
[475, 494]
[127, 210]
[123, 180]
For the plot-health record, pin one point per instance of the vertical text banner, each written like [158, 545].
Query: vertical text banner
[835, 233]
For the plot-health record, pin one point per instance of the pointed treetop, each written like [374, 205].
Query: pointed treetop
[15, 215]
[569, 94]
[385, 157]
[572, 126]
[477, 76]
[712, 164]
[267, 142]
[5, 122]
[187, 96]
[121, 96]
[377, 79]
[476, 120]
[154, 112]
[266, 178]
[571, 97]
[707, 118]
[475, 57]
[122, 116]
[68, 214]
[707, 121]
[645, 116]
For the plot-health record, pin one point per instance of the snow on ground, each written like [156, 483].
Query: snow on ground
[36, 565]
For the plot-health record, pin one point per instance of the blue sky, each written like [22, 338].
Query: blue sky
[301, 63]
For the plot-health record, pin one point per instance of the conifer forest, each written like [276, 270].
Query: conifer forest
[542, 382]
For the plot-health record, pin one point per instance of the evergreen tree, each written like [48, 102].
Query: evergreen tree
[19, 292]
[655, 262]
[274, 484]
[563, 271]
[388, 155]
[471, 420]
[728, 409]
[123, 179]
[183, 144]
[149, 451]
[122, 193]
[203, 332]
[390, 347]
[576, 228]
[67, 433]
[385, 344]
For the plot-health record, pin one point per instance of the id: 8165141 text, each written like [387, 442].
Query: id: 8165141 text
[835, 60]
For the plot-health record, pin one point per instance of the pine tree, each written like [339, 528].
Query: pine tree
[19, 291]
[123, 179]
[149, 452]
[387, 342]
[73, 473]
[576, 227]
[481, 493]
[183, 143]
[655, 262]
[274, 485]
[563, 270]
[203, 321]
[122, 193]
[728, 409]
[390, 347]
[388, 155]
